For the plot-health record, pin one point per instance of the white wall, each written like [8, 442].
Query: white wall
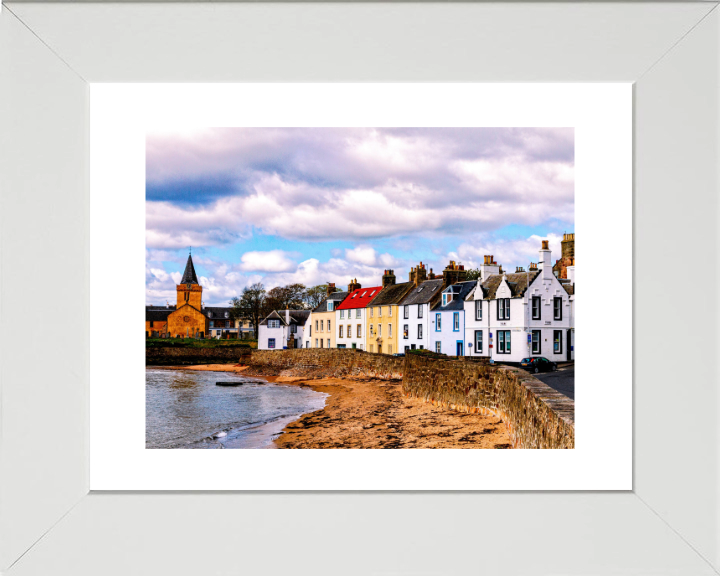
[353, 321]
[447, 336]
[266, 333]
[412, 322]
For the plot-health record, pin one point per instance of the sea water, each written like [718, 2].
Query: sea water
[186, 409]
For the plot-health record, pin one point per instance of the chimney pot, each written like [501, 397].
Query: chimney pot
[545, 245]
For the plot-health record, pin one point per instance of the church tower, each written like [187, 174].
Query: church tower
[189, 290]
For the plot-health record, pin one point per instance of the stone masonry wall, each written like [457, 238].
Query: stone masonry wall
[181, 356]
[325, 363]
[536, 415]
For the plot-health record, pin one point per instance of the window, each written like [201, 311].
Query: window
[419, 330]
[371, 329]
[379, 330]
[389, 310]
[329, 330]
[322, 325]
[316, 342]
[557, 341]
[438, 347]
[273, 323]
[316, 325]
[358, 331]
[445, 299]
[536, 314]
[406, 332]
[438, 322]
[420, 311]
[328, 342]
[293, 328]
[478, 342]
[372, 311]
[557, 308]
[503, 308]
[536, 341]
[342, 314]
[406, 312]
[271, 342]
[456, 321]
[310, 329]
[357, 313]
[321, 342]
[503, 341]
[331, 306]
[478, 309]
[349, 330]
[389, 330]
[379, 310]
[421, 347]
[340, 333]
[407, 348]
[212, 324]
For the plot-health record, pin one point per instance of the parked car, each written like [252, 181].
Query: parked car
[538, 364]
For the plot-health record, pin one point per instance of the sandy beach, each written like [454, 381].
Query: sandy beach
[368, 413]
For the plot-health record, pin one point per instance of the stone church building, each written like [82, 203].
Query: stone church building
[188, 320]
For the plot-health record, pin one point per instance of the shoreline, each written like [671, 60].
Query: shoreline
[372, 413]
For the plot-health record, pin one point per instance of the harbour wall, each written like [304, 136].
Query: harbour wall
[536, 415]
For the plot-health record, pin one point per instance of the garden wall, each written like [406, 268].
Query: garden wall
[188, 356]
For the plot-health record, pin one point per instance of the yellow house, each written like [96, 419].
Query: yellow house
[383, 318]
[322, 326]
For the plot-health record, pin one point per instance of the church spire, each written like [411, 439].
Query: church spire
[189, 277]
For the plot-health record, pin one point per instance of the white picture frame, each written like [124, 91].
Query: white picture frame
[49, 523]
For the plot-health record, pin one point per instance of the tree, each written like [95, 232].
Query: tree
[290, 297]
[473, 274]
[316, 294]
[250, 305]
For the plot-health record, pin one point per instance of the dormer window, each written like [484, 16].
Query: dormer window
[227, 315]
[330, 305]
[209, 314]
[447, 298]
[363, 294]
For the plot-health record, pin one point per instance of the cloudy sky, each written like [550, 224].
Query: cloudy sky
[316, 205]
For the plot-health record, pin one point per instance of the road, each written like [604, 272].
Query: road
[563, 380]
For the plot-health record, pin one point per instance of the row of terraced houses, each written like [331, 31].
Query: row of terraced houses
[504, 316]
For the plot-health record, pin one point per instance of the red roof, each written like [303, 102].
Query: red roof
[359, 298]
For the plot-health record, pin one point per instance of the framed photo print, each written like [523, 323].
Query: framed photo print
[353, 233]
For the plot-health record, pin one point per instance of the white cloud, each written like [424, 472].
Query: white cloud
[270, 261]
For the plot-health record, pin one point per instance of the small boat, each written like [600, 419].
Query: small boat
[232, 383]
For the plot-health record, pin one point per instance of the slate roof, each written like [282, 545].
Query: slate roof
[517, 282]
[217, 312]
[296, 317]
[569, 288]
[460, 290]
[393, 294]
[426, 292]
[359, 298]
[189, 276]
[158, 315]
[336, 296]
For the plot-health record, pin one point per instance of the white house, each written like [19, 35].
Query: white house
[447, 322]
[282, 329]
[350, 317]
[509, 317]
[415, 315]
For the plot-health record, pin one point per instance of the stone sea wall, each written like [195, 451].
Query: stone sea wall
[536, 415]
[188, 356]
[325, 363]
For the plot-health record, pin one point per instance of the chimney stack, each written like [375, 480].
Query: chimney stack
[453, 274]
[519, 269]
[571, 272]
[545, 261]
[388, 278]
[330, 288]
[354, 285]
[418, 275]
[488, 267]
[287, 316]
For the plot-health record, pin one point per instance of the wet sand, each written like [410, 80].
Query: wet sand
[376, 414]
[368, 413]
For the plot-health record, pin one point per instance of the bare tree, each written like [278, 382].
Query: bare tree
[250, 305]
